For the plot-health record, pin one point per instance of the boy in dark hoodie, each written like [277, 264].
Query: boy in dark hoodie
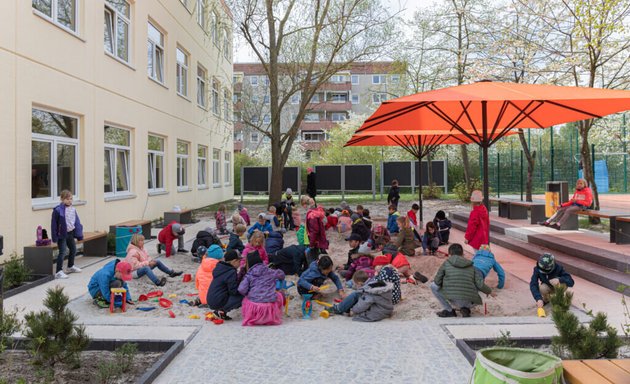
[223, 295]
[207, 237]
[443, 226]
[394, 194]
[291, 260]
[457, 282]
[354, 241]
[360, 228]
[318, 272]
[546, 277]
[235, 239]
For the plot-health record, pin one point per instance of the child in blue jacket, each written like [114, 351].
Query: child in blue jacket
[114, 274]
[316, 274]
[65, 227]
[546, 276]
[262, 225]
[392, 225]
[484, 261]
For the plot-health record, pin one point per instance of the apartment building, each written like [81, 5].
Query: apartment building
[126, 103]
[358, 90]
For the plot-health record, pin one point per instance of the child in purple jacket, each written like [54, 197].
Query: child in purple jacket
[262, 304]
[65, 227]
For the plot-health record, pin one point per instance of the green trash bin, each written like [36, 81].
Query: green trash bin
[123, 237]
[499, 365]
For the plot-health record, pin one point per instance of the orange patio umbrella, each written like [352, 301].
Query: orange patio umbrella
[485, 111]
[418, 145]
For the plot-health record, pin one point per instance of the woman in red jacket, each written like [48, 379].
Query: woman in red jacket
[582, 199]
[478, 229]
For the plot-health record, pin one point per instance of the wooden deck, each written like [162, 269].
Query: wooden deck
[597, 371]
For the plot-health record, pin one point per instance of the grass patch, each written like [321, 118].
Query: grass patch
[603, 226]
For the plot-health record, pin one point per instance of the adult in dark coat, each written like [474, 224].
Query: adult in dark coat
[311, 183]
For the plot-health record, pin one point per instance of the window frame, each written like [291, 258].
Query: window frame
[340, 96]
[157, 47]
[216, 167]
[202, 86]
[54, 141]
[309, 120]
[382, 96]
[214, 28]
[358, 101]
[333, 114]
[252, 83]
[202, 166]
[54, 17]
[215, 97]
[114, 164]
[382, 79]
[181, 76]
[352, 78]
[181, 162]
[226, 104]
[153, 173]
[115, 16]
[251, 137]
[227, 172]
[201, 14]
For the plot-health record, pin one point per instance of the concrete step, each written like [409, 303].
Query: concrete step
[588, 270]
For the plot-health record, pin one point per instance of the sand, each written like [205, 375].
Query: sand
[418, 302]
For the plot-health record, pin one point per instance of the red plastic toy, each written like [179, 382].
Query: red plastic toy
[171, 314]
[154, 294]
[143, 298]
[165, 303]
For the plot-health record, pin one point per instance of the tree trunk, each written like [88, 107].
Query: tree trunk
[466, 164]
[531, 160]
[587, 166]
[277, 169]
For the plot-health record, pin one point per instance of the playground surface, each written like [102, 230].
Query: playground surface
[414, 345]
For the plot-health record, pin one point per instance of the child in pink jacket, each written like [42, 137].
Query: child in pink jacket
[142, 264]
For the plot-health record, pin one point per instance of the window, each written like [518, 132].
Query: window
[265, 80]
[182, 165]
[338, 79]
[238, 136]
[236, 116]
[202, 165]
[226, 104]
[379, 79]
[313, 136]
[117, 22]
[267, 119]
[355, 79]
[379, 97]
[315, 98]
[155, 66]
[202, 100]
[117, 155]
[254, 138]
[295, 98]
[156, 163]
[395, 79]
[227, 50]
[355, 99]
[338, 116]
[227, 168]
[54, 154]
[216, 159]
[215, 96]
[339, 97]
[254, 119]
[253, 81]
[182, 72]
[311, 117]
[215, 27]
[61, 12]
[201, 13]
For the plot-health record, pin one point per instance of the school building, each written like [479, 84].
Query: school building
[126, 103]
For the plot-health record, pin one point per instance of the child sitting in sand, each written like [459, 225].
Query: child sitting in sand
[372, 301]
[354, 241]
[314, 277]
[547, 275]
[405, 240]
[359, 227]
[484, 261]
[380, 237]
[235, 238]
[209, 260]
[430, 239]
[332, 219]
[392, 225]
[344, 223]
[399, 261]
[256, 243]
[221, 223]
[261, 225]
[262, 304]
[114, 274]
[244, 214]
[366, 218]
[206, 238]
[223, 295]
[361, 261]
[236, 220]
[142, 264]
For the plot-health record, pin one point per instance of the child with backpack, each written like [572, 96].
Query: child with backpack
[203, 277]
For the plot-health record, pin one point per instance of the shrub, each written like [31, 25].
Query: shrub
[107, 372]
[431, 192]
[9, 324]
[15, 272]
[598, 340]
[52, 334]
[125, 356]
[463, 190]
[505, 340]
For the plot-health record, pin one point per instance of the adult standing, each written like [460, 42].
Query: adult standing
[311, 184]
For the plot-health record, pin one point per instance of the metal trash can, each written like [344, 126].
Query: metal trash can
[123, 237]
[556, 193]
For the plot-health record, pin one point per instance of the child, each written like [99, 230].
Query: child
[405, 240]
[359, 210]
[359, 227]
[344, 224]
[315, 227]
[354, 241]
[394, 195]
[412, 214]
[167, 237]
[366, 218]
[205, 238]
[142, 264]
[546, 276]
[582, 199]
[297, 220]
[478, 228]
[65, 227]
[261, 225]
[484, 261]
[362, 261]
[372, 301]
[388, 273]
[114, 274]
[256, 243]
[236, 220]
[430, 239]
[314, 277]
[272, 217]
[331, 219]
[392, 226]
[219, 217]
[443, 226]
[223, 296]
[203, 276]
[274, 242]
[380, 237]
[287, 214]
[243, 212]
[235, 238]
[262, 305]
[399, 261]
[291, 260]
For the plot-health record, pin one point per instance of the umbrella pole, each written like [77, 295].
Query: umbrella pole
[484, 146]
[420, 186]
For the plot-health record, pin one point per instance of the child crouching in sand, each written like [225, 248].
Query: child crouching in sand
[262, 305]
[314, 277]
[484, 261]
[372, 301]
[399, 261]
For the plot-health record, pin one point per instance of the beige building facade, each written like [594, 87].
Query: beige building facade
[126, 103]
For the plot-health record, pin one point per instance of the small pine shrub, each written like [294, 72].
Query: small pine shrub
[505, 340]
[125, 356]
[15, 272]
[577, 341]
[9, 324]
[53, 335]
[431, 192]
[107, 372]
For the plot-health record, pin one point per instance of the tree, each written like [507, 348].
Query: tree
[301, 44]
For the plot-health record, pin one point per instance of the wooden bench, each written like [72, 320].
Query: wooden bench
[517, 210]
[183, 217]
[612, 217]
[623, 230]
[503, 204]
[596, 371]
[145, 224]
[40, 260]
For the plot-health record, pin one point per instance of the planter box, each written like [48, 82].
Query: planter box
[32, 282]
[169, 348]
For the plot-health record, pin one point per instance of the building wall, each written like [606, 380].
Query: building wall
[46, 67]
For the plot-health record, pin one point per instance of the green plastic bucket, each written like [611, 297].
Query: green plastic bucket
[516, 365]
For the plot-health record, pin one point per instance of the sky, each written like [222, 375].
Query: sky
[243, 54]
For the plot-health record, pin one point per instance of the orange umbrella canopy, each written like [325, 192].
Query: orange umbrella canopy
[410, 140]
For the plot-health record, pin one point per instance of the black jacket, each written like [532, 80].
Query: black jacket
[393, 196]
[274, 242]
[235, 243]
[538, 275]
[224, 284]
[311, 185]
[291, 260]
[361, 229]
[206, 239]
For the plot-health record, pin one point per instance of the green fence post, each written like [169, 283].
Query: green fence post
[521, 175]
[498, 174]
[540, 160]
[511, 188]
[593, 160]
[551, 153]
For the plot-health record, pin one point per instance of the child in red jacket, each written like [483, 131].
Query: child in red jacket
[167, 236]
[582, 199]
[478, 228]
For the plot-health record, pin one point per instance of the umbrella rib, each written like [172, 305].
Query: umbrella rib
[392, 115]
[437, 111]
[465, 112]
[592, 115]
[525, 115]
[499, 117]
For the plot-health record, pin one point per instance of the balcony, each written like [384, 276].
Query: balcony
[346, 86]
[331, 106]
[322, 125]
[238, 146]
